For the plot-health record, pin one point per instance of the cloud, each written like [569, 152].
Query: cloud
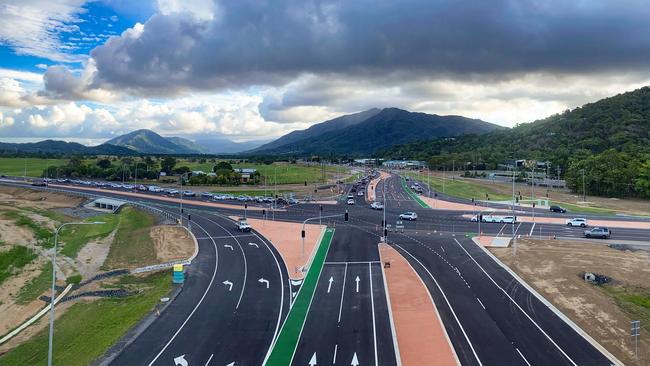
[241, 43]
[33, 27]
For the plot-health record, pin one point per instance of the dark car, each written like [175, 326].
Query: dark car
[557, 209]
[598, 232]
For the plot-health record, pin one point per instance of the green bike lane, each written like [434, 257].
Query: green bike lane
[287, 341]
[413, 195]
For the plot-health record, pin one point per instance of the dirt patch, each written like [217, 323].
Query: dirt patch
[13, 234]
[23, 197]
[172, 243]
[92, 256]
[14, 314]
[554, 267]
[420, 333]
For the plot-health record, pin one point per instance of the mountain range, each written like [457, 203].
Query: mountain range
[368, 132]
[63, 148]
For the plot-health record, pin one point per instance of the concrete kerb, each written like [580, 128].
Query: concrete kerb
[135, 331]
[398, 357]
[555, 310]
[38, 315]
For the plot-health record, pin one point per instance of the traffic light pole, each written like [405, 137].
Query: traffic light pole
[302, 232]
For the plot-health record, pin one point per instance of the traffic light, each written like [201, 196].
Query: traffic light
[264, 213]
[321, 208]
[346, 215]
[533, 204]
[302, 234]
[472, 199]
[245, 205]
[189, 217]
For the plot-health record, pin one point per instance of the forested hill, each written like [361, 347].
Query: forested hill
[614, 130]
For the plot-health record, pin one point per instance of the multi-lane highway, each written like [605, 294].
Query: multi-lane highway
[238, 294]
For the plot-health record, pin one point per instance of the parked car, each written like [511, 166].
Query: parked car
[360, 193]
[351, 201]
[206, 194]
[577, 221]
[598, 232]
[292, 201]
[377, 206]
[559, 209]
[189, 194]
[508, 220]
[172, 192]
[142, 188]
[411, 216]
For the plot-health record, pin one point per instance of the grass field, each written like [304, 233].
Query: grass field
[74, 237]
[33, 166]
[132, 245]
[36, 286]
[86, 330]
[13, 260]
[286, 173]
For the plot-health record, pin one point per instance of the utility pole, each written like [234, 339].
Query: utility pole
[532, 191]
[514, 243]
[584, 187]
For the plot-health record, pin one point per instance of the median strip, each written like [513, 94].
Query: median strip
[413, 195]
[285, 344]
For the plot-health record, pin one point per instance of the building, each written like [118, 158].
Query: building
[404, 164]
[246, 174]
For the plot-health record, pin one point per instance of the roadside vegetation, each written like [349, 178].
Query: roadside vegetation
[39, 284]
[132, 245]
[43, 235]
[74, 237]
[86, 330]
[33, 166]
[13, 260]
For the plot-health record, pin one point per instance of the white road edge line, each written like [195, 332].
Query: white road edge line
[552, 307]
[531, 230]
[216, 263]
[336, 347]
[446, 300]
[398, 357]
[517, 305]
[343, 292]
[372, 305]
[522, 356]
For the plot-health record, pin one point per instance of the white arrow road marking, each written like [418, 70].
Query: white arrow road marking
[180, 361]
[312, 362]
[254, 245]
[228, 283]
[228, 246]
[355, 360]
[357, 281]
[231, 364]
[261, 280]
[329, 286]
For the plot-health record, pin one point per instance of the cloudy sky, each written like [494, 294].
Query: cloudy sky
[253, 69]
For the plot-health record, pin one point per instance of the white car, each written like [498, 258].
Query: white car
[351, 201]
[577, 221]
[377, 206]
[172, 191]
[189, 194]
[411, 216]
[508, 220]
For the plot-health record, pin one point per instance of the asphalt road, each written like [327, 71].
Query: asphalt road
[491, 319]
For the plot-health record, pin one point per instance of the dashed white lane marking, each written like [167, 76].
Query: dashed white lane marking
[479, 301]
[209, 359]
[522, 356]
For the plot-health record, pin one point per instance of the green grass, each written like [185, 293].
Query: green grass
[132, 245]
[74, 279]
[75, 237]
[286, 173]
[36, 286]
[288, 338]
[460, 188]
[634, 301]
[13, 260]
[86, 330]
[35, 166]
[43, 235]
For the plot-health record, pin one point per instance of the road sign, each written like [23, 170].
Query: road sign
[635, 332]
[399, 225]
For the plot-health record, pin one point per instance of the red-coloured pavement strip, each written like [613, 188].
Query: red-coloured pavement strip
[421, 336]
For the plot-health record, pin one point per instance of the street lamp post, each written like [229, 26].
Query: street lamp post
[181, 199]
[302, 233]
[56, 238]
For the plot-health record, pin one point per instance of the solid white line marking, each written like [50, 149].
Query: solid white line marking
[479, 301]
[447, 301]
[522, 356]
[343, 291]
[216, 262]
[372, 305]
[210, 359]
[516, 304]
[531, 230]
[358, 262]
[336, 347]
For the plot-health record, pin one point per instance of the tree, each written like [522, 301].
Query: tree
[167, 164]
[222, 165]
[642, 185]
[182, 170]
[104, 163]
